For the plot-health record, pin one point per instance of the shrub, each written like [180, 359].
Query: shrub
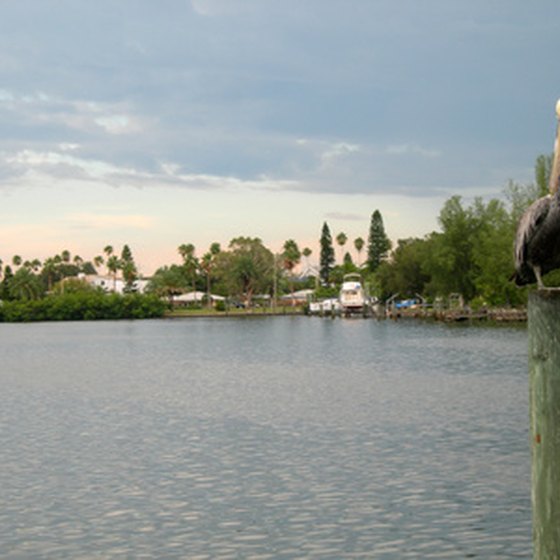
[83, 306]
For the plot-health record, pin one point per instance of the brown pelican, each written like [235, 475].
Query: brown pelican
[537, 243]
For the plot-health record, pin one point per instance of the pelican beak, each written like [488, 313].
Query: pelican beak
[555, 171]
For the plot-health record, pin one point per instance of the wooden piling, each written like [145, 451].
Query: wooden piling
[544, 372]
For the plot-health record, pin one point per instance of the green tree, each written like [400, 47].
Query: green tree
[378, 242]
[473, 253]
[543, 169]
[5, 284]
[326, 259]
[25, 285]
[78, 261]
[492, 255]
[291, 257]
[451, 265]
[405, 273]
[190, 263]
[168, 281]
[341, 240]
[247, 268]
[88, 268]
[98, 260]
[73, 286]
[359, 245]
[129, 270]
[519, 197]
[207, 265]
[33, 265]
[113, 264]
[49, 272]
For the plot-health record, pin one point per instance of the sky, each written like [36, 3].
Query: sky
[155, 124]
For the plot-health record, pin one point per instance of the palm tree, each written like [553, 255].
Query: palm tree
[359, 244]
[292, 257]
[98, 261]
[78, 261]
[16, 260]
[341, 239]
[113, 266]
[186, 250]
[306, 252]
[49, 270]
[25, 285]
[190, 263]
[207, 265]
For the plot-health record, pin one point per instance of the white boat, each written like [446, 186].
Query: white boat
[352, 296]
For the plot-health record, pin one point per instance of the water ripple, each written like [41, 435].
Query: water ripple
[297, 439]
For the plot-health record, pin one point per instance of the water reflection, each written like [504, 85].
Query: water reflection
[282, 438]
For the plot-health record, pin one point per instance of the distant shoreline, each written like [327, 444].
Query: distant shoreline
[497, 316]
[182, 314]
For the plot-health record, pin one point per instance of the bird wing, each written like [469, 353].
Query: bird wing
[528, 225]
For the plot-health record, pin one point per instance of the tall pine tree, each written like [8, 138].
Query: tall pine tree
[378, 242]
[326, 261]
[129, 270]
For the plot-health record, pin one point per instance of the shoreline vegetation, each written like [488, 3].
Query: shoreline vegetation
[99, 306]
[461, 273]
[88, 306]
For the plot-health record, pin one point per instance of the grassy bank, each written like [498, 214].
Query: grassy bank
[234, 312]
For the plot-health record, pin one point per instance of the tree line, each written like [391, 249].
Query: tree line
[471, 256]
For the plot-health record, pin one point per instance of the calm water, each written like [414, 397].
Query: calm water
[263, 438]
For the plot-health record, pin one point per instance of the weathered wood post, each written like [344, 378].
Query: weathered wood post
[544, 366]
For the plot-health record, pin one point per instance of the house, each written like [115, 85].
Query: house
[110, 284]
[194, 298]
[297, 298]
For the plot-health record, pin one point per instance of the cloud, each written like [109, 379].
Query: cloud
[204, 7]
[118, 124]
[345, 217]
[63, 164]
[234, 93]
[84, 220]
[412, 149]
[337, 151]
[214, 8]
[39, 111]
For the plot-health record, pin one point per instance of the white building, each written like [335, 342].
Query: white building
[109, 284]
